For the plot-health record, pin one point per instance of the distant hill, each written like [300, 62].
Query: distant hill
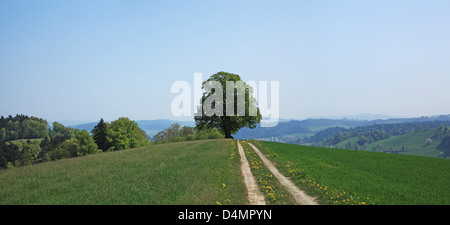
[301, 128]
[362, 116]
[309, 127]
[422, 142]
[152, 127]
[85, 126]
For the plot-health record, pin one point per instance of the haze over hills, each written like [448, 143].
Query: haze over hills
[154, 126]
[368, 132]
[362, 116]
[394, 135]
[297, 128]
[309, 127]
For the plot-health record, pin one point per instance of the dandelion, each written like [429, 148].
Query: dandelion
[224, 185]
[218, 203]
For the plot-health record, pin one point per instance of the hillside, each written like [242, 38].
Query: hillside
[303, 128]
[413, 143]
[208, 173]
[296, 131]
[197, 172]
[339, 176]
[362, 137]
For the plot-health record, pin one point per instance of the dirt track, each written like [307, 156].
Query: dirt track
[300, 196]
[254, 195]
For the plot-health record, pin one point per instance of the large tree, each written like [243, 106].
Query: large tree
[227, 104]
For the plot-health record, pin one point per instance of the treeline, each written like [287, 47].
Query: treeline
[63, 142]
[22, 127]
[176, 133]
[373, 133]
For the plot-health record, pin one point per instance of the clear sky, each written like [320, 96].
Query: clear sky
[82, 60]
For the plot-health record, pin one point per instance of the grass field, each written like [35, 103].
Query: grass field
[208, 173]
[38, 140]
[339, 176]
[414, 142]
[341, 144]
[198, 173]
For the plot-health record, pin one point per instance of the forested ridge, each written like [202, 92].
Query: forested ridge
[375, 132]
[312, 126]
[360, 134]
[25, 140]
[22, 127]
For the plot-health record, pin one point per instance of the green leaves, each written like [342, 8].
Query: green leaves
[124, 134]
[87, 144]
[234, 115]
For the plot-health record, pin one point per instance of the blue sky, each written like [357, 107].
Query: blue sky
[82, 60]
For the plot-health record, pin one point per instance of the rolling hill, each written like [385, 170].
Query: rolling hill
[208, 173]
[414, 143]
[422, 143]
[168, 174]
[290, 131]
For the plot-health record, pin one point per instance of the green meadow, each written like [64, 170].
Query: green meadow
[194, 173]
[339, 176]
[208, 173]
[413, 143]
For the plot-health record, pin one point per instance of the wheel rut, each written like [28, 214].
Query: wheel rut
[255, 197]
[300, 196]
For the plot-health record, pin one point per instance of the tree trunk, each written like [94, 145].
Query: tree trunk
[227, 128]
[228, 134]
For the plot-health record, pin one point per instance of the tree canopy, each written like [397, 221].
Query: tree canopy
[22, 127]
[124, 133]
[176, 133]
[227, 116]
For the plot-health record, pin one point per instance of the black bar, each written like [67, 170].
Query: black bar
[220, 214]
